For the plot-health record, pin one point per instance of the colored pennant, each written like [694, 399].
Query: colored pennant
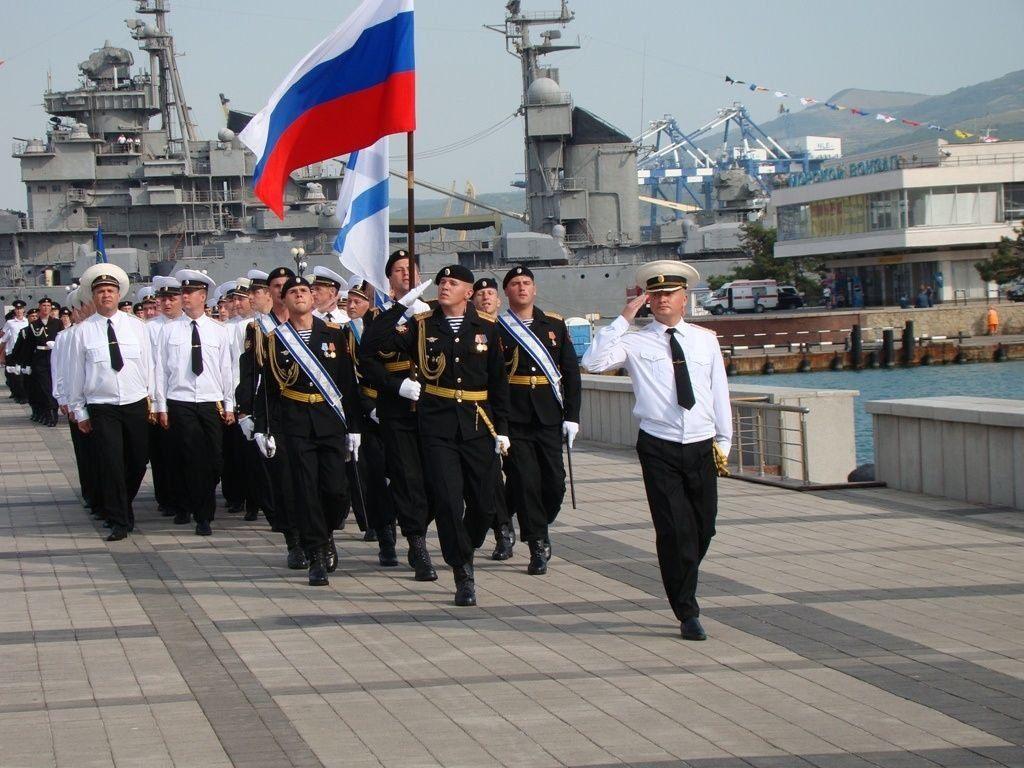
[807, 101]
[885, 118]
[858, 112]
[962, 134]
[913, 123]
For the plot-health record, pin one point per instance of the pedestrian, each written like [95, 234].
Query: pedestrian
[992, 320]
[682, 404]
[922, 298]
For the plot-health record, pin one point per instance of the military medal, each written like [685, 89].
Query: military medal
[481, 342]
[551, 335]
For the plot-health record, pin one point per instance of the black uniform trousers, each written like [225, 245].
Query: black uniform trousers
[404, 460]
[196, 437]
[319, 485]
[682, 492]
[373, 478]
[277, 497]
[16, 382]
[42, 380]
[460, 479]
[161, 462]
[120, 445]
[536, 476]
[85, 461]
[232, 481]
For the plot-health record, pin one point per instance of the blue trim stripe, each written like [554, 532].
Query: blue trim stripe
[379, 52]
[369, 203]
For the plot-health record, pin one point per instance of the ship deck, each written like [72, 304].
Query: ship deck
[848, 628]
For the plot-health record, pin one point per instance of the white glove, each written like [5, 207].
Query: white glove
[248, 427]
[266, 444]
[352, 441]
[410, 389]
[373, 416]
[570, 429]
[49, 344]
[501, 445]
[410, 298]
[10, 369]
[26, 370]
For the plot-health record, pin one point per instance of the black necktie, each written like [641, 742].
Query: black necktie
[116, 361]
[684, 390]
[197, 350]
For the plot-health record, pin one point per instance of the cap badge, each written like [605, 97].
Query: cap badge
[447, 271]
[661, 278]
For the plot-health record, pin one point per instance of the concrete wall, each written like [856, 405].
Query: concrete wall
[946, 320]
[965, 448]
[606, 415]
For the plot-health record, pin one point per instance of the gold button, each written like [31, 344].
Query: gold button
[456, 359]
[533, 368]
[458, 381]
[456, 339]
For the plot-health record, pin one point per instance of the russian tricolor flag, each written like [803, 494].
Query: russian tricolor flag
[357, 86]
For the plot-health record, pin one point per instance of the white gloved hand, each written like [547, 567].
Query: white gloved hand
[26, 370]
[266, 444]
[570, 429]
[410, 298]
[410, 389]
[373, 416]
[352, 441]
[501, 445]
[49, 344]
[248, 427]
[10, 369]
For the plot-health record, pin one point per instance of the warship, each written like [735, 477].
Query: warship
[165, 199]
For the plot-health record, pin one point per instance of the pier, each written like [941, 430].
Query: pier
[858, 627]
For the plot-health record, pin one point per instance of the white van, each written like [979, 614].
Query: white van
[743, 296]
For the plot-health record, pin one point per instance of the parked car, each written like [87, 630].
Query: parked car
[790, 297]
[1015, 292]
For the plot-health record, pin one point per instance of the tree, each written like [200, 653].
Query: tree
[1006, 263]
[758, 242]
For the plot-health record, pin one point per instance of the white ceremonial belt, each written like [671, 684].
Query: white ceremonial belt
[528, 340]
[304, 356]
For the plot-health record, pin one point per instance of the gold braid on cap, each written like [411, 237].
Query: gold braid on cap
[430, 373]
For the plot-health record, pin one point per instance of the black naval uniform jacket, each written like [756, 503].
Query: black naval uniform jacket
[368, 394]
[385, 371]
[472, 361]
[33, 336]
[304, 419]
[528, 402]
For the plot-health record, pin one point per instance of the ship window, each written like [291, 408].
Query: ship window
[41, 188]
[55, 188]
[606, 275]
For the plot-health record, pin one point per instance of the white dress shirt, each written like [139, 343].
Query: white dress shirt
[647, 356]
[174, 377]
[10, 335]
[91, 380]
[59, 365]
[334, 316]
[236, 334]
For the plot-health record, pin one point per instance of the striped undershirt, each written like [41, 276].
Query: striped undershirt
[455, 323]
[304, 335]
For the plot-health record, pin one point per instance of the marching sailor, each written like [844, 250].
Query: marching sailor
[12, 328]
[167, 294]
[544, 393]
[239, 455]
[326, 287]
[682, 404]
[33, 351]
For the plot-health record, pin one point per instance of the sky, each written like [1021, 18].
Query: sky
[638, 61]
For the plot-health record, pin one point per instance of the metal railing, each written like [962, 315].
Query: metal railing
[769, 440]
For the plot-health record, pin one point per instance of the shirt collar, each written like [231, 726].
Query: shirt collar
[681, 327]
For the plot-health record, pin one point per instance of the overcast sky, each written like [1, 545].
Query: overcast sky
[466, 82]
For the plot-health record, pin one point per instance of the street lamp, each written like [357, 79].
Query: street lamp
[300, 264]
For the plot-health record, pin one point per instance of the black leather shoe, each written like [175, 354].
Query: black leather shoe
[203, 528]
[465, 585]
[234, 509]
[182, 518]
[692, 630]
[251, 513]
[387, 556]
[370, 535]
[538, 562]
[117, 533]
[547, 548]
[504, 539]
[297, 559]
[318, 568]
[332, 557]
[421, 557]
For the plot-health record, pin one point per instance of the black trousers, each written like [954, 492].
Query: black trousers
[277, 497]
[85, 461]
[682, 491]
[120, 445]
[373, 491]
[404, 459]
[537, 477]
[319, 485]
[196, 437]
[42, 381]
[460, 478]
[162, 463]
[256, 485]
[16, 382]
[232, 481]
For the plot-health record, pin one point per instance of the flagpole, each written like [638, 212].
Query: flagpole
[411, 211]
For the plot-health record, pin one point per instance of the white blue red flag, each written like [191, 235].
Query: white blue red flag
[356, 86]
[362, 241]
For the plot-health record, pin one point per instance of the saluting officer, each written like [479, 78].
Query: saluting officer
[462, 408]
[544, 392]
[308, 383]
[682, 403]
[110, 381]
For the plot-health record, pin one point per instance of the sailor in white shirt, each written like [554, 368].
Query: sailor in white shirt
[327, 285]
[193, 398]
[682, 404]
[167, 294]
[8, 338]
[109, 383]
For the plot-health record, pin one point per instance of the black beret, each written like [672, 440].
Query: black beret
[123, 304]
[19, 304]
[517, 271]
[277, 272]
[456, 271]
[398, 255]
[45, 299]
[137, 306]
[65, 311]
[55, 305]
[485, 282]
[293, 282]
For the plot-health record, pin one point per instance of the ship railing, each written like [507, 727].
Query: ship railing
[18, 148]
[569, 184]
[769, 441]
[211, 196]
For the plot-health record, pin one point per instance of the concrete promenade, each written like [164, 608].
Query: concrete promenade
[848, 629]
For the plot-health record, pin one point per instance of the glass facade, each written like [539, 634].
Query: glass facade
[961, 205]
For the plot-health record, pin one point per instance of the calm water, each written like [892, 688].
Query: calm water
[984, 379]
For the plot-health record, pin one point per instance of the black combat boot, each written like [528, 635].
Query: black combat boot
[465, 586]
[252, 511]
[296, 557]
[387, 557]
[370, 535]
[538, 560]
[419, 558]
[504, 540]
[332, 556]
[318, 567]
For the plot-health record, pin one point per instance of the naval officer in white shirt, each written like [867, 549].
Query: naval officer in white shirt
[109, 383]
[682, 404]
[327, 286]
[194, 397]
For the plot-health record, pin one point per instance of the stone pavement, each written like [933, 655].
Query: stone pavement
[848, 629]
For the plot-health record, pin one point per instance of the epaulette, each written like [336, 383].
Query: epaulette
[422, 315]
[335, 326]
[374, 311]
[487, 316]
[554, 315]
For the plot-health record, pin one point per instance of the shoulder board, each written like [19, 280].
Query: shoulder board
[487, 316]
[374, 311]
[335, 326]
[423, 315]
[554, 316]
